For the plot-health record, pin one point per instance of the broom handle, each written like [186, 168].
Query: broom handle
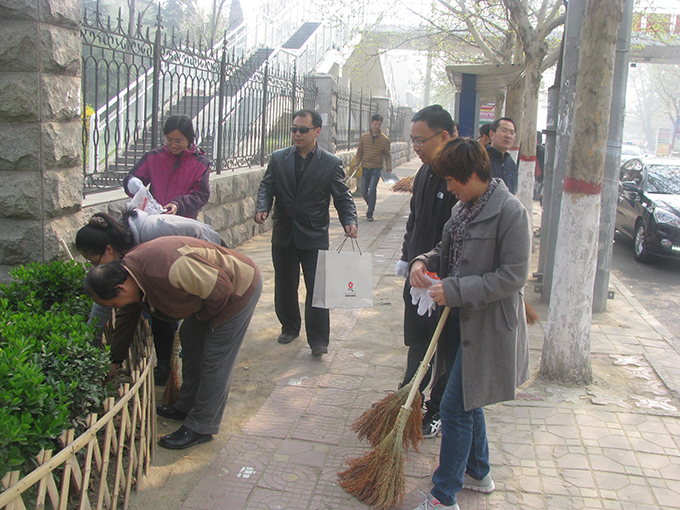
[425, 364]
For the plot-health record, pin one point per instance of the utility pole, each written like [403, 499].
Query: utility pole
[610, 186]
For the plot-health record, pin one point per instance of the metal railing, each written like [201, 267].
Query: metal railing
[240, 105]
[354, 111]
[396, 125]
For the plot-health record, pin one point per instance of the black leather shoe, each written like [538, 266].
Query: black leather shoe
[286, 338]
[318, 350]
[170, 412]
[183, 438]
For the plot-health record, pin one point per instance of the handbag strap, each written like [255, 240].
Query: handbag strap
[352, 242]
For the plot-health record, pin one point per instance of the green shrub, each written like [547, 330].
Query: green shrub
[48, 287]
[32, 414]
[51, 376]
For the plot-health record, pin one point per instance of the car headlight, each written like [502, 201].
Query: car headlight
[662, 216]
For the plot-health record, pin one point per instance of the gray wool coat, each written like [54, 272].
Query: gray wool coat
[494, 268]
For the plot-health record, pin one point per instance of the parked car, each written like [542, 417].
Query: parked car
[630, 151]
[648, 208]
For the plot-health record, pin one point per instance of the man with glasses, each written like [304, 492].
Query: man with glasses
[502, 134]
[431, 207]
[374, 146]
[303, 178]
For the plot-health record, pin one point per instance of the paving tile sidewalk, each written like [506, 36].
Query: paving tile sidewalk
[614, 444]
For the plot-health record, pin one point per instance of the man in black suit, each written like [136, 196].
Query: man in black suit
[303, 178]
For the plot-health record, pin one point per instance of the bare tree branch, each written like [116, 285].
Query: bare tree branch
[481, 44]
[551, 25]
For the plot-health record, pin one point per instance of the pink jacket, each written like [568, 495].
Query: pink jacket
[182, 180]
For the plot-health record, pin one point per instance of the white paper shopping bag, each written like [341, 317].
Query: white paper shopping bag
[343, 280]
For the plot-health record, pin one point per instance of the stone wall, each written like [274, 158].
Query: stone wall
[40, 130]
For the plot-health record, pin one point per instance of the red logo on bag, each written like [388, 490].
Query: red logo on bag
[350, 285]
[350, 290]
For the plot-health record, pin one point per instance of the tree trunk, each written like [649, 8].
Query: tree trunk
[527, 143]
[498, 106]
[514, 110]
[566, 347]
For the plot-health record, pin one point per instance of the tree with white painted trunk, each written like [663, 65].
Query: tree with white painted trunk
[533, 26]
[566, 347]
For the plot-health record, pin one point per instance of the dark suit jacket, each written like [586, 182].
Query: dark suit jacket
[301, 213]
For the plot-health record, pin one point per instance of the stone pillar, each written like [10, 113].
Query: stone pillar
[324, 105]
[40, 129]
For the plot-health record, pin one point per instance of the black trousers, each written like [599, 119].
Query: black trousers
[287, 261]
[163, 337]
[418, 331]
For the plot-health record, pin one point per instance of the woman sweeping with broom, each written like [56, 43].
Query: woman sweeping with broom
[483, 260]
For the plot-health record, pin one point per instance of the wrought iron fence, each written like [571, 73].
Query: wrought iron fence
[354, 112]
[240, 106]
[397, 120]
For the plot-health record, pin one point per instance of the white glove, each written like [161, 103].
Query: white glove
[401, 269]
[134, 185]
[421, 296]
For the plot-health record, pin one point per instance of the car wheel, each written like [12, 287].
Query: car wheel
[640, 243]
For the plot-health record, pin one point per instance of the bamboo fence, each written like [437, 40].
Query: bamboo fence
[99, 468]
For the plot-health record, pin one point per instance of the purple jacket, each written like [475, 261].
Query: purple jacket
[182, 180]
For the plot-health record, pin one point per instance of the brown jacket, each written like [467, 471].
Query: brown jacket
[372, 150]
[183, 276]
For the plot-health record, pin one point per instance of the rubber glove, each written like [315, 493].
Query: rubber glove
[134, 185]
[420, 296]
[401, 269]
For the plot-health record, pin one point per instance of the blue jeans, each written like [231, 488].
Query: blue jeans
[464, 446]
[369, 188]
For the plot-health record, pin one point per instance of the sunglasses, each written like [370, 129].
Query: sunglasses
[302, 129]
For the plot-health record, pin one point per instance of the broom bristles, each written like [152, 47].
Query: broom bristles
[531, 315]
[171, 391]
[404, 185]
[377, 477]
[376, 423]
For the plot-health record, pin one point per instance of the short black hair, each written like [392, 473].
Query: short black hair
[436, 118]
[377, 117]
[497, 122]
[181, 123]
[460, 158]
[316, 118]
[484, 129]
[103, 281]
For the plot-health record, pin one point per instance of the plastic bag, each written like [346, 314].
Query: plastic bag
[146, 202]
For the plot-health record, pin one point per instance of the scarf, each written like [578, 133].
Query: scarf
[462, 216]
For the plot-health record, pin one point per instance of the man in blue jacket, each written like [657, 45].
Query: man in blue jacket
[303, 178]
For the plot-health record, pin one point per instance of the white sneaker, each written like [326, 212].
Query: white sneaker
[432, 503]
[485, 485]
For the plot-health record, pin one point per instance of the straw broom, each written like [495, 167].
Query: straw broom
[373, 424]
[171, 391]
[377, 478]
[404, 185]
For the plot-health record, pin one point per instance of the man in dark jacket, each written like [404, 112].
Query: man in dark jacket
[303, 178]
[502, 134]
[430, 208]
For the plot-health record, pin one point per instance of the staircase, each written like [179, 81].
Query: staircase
[298, 38]
[244, 73]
